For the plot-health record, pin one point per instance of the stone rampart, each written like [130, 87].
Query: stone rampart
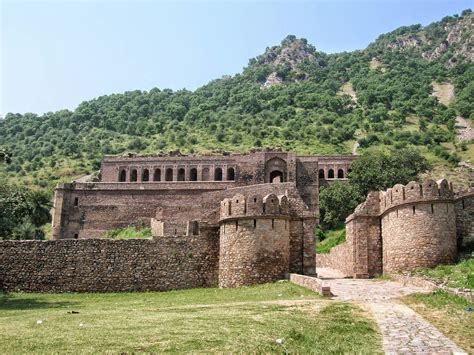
[403, 228]
[100, 265]
[418, 226]
[464, 208]
[254, 240]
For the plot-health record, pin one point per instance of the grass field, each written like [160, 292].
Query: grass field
[201, 320]
[447, 313]
[457, 275]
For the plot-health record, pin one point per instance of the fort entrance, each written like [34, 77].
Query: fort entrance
[275, 170]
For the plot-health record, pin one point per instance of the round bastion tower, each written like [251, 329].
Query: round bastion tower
[254, 240]
[418, 226]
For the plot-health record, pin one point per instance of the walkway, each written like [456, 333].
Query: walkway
[403, 330]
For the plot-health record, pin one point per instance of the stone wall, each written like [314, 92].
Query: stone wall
[464, 208]
[312, 283]
[99, 265]
[418, 226]
[88, 210]
[340, 258]
[421, 235]
[403, 228]
[254, 239]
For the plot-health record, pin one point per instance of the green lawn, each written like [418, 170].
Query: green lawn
[458, 275]
[447, 313]
[201, 320]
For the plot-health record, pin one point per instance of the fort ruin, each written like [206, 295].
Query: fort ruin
[229, 221]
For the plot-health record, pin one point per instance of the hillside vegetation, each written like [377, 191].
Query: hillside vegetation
[292, 96]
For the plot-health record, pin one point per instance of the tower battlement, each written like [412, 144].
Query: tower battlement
[254, 206]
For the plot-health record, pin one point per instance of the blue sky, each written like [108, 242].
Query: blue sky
[56, 54]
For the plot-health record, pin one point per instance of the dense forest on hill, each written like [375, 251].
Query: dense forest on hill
[292, 96]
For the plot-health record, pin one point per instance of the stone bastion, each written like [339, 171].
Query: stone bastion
[403, 228]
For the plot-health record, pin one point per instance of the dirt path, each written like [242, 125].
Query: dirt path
[403, 330]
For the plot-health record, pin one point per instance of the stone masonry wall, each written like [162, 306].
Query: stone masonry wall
[99, 265]
[340, 258]
[250, 255]
[421, 235]
[404, 228]
[464, 208]
[254, 240]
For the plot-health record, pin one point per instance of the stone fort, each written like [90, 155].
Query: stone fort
[229, 220]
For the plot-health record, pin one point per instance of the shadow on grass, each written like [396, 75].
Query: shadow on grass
[16, 302]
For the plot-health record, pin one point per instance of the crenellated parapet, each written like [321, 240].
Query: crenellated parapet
[254, 206]
[254, 239]
[414, 192]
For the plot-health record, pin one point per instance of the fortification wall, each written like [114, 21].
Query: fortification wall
[418, 226]
[88, 210]
[340, 258]
[464, 208]
[360, 256]
[404, 228]
[254, 240]
[99, 265]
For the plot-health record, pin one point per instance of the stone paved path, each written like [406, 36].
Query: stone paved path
[403, 330]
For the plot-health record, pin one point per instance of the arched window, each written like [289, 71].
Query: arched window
[218, 174]
[331, 174]
[133, 175]
[349, 171]
[205, 174]
[181, 174]
[321, 173]
[123, 175]
[157, 175]
[340, 174]
[193, 174]
[230, 174]
[169, 174]
[146, 175]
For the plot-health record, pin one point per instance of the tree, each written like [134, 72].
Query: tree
[23, 212]
[379, 170]
[4, 157]
[336, 202]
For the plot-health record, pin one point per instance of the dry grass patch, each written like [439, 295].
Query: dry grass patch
[347, 89]
[444, 92]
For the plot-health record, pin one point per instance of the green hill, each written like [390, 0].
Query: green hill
[405, 89]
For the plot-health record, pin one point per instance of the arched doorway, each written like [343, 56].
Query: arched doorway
[275, 170]
[276, 176]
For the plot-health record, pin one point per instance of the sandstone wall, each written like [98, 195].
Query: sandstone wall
[418, 235]
[403, 228]
[98, 265]
[253, 253]
[87, 210]
[340, 258]
[254, 239]
[464, 207]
